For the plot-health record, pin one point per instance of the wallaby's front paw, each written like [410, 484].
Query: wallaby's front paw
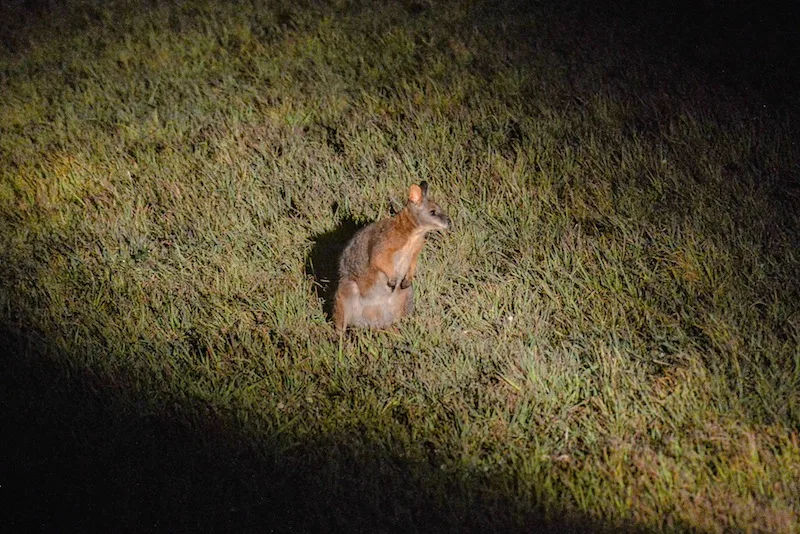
[392, 283]
[406, 283]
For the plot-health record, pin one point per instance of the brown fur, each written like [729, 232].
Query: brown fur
[377, 267]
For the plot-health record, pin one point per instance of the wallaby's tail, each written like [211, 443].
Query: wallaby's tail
[346, 294]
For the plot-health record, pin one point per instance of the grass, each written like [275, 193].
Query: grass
[607, 338]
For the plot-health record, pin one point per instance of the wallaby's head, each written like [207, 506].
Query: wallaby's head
[426, 212]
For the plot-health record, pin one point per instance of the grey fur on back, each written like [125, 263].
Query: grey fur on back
[355, 258]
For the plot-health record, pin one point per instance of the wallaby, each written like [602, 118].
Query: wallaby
[378, 264]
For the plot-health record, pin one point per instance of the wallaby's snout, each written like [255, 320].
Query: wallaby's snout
[443, 221]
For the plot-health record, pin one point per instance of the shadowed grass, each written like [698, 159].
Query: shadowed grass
[609, 331]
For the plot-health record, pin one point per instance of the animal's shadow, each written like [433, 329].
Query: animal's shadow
[322, 262]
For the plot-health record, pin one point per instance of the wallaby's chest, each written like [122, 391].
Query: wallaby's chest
[403, 256]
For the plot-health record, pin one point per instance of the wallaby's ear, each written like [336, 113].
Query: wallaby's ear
[424, 186]
[415, 194]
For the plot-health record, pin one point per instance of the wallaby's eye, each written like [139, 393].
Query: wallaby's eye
[433, 212]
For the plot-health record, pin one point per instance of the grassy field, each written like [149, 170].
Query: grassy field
[608, 337]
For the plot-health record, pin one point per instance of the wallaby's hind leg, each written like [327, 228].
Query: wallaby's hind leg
[409, 302]
[402, 303]
[345, 308]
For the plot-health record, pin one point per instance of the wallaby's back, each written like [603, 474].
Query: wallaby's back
[355, 257]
